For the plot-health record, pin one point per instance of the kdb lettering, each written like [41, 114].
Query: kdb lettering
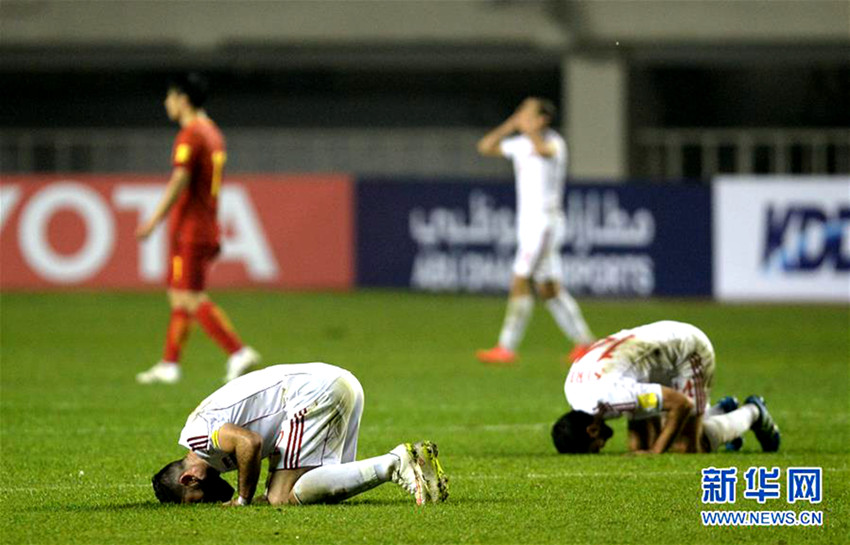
[801, 238]
[244, 239]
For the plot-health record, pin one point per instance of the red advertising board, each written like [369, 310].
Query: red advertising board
[278, 231]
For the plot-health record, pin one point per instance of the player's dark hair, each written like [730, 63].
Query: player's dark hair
[570, 433]
[547, 107]
[166, 483]
[193, 85]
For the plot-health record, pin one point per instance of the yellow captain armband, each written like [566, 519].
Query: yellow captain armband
[648, 401]
[214, 440]
[182, 153]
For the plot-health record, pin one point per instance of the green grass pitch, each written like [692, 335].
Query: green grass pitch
[80, 439]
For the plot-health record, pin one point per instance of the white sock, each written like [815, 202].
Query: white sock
[334, 483]
[567, 315]
[516, 319]
[714, 410]
[722, 428]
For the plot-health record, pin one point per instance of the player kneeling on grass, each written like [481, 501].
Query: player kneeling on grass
[664, 369]
[305, 419]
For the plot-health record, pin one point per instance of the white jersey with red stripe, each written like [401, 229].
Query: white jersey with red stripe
[624, 372]
[268, 402]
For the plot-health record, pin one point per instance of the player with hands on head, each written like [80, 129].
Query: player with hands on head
[539, 156]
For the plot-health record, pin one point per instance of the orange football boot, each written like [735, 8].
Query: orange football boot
[497, 354]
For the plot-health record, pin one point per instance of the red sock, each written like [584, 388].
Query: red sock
[175, 337]
[218, 327]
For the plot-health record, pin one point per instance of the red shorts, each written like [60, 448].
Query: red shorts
[188, 265]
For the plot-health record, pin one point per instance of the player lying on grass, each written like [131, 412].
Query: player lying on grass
[305, 419]
[664, 369]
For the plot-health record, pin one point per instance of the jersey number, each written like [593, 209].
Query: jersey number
[218, 160]
[613, 342]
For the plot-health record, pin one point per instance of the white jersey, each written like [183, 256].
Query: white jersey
[624, 373]
[262, 402]
[539, 180]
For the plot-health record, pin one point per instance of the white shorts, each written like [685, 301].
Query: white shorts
[538, 253]
[325, 432]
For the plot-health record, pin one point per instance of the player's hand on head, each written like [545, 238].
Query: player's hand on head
[524, 123]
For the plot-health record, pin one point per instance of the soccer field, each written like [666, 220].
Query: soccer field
[80, 439]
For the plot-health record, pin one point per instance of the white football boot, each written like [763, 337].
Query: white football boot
[419, 472]
[242, 361]
[165, 372]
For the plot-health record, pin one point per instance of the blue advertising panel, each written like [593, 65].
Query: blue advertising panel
[459, 236]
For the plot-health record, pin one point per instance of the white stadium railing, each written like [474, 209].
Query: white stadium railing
[703, 153]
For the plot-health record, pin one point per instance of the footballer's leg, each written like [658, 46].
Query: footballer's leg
[215, 323]
[532, 241]
[726, 405]
[330, 437]
[413, 466]
[517, 315]
[212, 318]
[724, 428]
[567, 314]
[167, 370]
[560, 304]
[352, 431]
[765, 428]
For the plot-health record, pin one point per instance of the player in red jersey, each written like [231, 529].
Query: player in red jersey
[191, 203]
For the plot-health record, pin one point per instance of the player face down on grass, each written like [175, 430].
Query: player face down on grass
[659, 377]
[182, 481]
[577, 432]
[305, 420]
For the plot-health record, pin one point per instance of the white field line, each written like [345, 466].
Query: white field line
[470, 477]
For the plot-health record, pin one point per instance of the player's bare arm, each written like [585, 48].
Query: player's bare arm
[691, 440]
[678, 409]
[176, 185]
[643, 433]
[247, 446]
[489, 143]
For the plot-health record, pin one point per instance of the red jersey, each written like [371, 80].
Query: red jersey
[199, 148]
